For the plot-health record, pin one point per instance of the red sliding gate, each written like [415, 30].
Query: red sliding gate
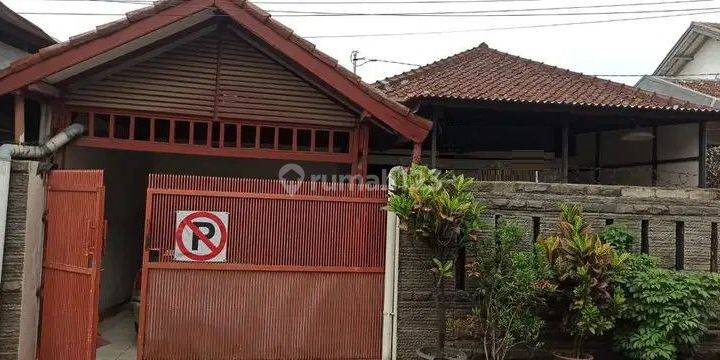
[303, 276]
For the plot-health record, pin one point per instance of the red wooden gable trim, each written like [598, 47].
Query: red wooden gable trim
[63, 56]
[74, 55]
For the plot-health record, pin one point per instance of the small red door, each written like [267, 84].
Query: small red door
[71, 266]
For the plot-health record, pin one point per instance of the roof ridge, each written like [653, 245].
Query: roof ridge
[430, 66]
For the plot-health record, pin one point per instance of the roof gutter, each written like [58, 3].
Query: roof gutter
[8, 152]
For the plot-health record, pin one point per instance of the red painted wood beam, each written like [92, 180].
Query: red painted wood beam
[78, 54]
[19, 121]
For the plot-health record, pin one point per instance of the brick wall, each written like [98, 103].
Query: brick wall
[527, 203]
[21, 264]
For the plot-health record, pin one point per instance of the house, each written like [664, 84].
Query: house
[691, 70]
[177, 133]
[190, 111]
[503, 117]
[540, 136]
[18, 38]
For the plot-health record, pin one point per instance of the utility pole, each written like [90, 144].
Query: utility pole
[355, 58]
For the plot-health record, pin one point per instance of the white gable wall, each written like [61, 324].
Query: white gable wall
[706, 60]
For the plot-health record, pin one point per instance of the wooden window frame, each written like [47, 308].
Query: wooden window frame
[331, 155]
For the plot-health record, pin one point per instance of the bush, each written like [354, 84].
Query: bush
[441, 210]
[666, 313]
[583, 268]
[618, 237]
[509, 285]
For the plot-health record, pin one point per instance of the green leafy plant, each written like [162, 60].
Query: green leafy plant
[509, 286]
[440, 210]
[583, 270]
[618, 237]
[666, 313]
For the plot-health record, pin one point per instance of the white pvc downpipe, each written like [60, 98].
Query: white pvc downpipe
[8, 152]
[392, 249]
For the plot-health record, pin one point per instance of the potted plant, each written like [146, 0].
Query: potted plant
[583, 269]
[441, 211]
[509, 289]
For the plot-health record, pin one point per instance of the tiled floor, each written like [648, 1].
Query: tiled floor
[119, 331]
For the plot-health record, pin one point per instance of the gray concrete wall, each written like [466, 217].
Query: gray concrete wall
[522, 202]
[22, 263]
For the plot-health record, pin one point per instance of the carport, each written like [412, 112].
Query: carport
[193, 110]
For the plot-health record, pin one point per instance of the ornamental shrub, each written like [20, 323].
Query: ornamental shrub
[618, 237]
[509, 286]
[441, 210]
[584, 267]
[666, 312]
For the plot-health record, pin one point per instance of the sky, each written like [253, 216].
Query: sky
[631, 47]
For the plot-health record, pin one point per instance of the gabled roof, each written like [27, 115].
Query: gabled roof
[708, 87]
[487, 74]
[686, 47]
[23, 28]
[99, 45]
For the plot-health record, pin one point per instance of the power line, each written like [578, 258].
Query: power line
[441, 32]
[289, 13]
[149, 2]
[512, 10]
[282, 13]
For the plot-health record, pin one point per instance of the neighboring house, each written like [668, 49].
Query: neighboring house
[502, 117]
[18, 38]
[691, 70]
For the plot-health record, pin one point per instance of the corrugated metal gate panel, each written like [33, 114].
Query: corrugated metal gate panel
[71, 265]
[263, 315]
[303, 279]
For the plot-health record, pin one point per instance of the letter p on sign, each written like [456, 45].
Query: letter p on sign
[201, 236]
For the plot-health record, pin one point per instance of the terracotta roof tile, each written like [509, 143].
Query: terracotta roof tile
[709, 87]
[483, 73]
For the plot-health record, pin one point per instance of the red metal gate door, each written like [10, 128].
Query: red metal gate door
[71, 266]
[302, 277]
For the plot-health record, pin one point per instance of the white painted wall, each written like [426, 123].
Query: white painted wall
[8, 54]
[673, 141]
[706, 60]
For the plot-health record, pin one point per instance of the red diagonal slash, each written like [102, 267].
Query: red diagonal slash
[201, 235]
[187, 222]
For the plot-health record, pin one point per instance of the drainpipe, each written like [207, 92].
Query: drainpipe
[8, 152]
[389, 339]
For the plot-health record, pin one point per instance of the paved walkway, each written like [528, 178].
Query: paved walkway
[119, 331]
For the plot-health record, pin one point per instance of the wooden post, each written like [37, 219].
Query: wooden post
[565, 151]
[654, 158]
[360, 156]
[417, 153]
[598, 144]
[702, 155]
[436, 117]
[19, 117]
[433, 147]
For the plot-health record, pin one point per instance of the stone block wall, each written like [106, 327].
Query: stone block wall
[22, 264]
[537, 203]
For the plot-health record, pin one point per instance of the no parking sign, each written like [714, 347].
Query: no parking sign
[201, 236]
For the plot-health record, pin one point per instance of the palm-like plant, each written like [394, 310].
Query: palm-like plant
[441, 210]
[584, 268]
